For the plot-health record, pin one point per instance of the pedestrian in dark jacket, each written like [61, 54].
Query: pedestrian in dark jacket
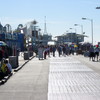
[53, 50]
[91, 53]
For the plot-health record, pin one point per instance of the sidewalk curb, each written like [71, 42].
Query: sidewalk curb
[4, 80]
[18, 68]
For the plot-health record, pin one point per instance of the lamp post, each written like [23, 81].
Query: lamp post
[80, 26]
[91, 27]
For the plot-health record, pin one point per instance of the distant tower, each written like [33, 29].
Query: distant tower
[45, 28]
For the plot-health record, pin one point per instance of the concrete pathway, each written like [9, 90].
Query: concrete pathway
[29, 83]
[70, 79]
[56, 78]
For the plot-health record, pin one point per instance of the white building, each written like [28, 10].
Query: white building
[70, 37]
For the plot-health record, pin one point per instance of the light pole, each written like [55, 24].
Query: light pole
[91, 26]
[80, 26]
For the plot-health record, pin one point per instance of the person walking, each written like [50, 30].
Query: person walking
[40, 52]
[48, 51]
[53, 50]
[45, 52]
[59, 50]
[96, 52]
[91, 53]
[64, 50]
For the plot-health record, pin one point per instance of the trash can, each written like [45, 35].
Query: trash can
[26, 55]
[13, 60]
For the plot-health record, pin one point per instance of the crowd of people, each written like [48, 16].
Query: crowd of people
[94, 53]
[43, 51]
[63, 50]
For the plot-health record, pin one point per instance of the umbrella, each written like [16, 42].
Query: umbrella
[2, 43]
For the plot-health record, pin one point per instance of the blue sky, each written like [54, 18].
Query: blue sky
[60, 15]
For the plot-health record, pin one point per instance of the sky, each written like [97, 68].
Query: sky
[61, 15]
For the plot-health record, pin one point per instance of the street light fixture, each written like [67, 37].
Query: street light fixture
[97, 7]
[84, 18]
[91, 26]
